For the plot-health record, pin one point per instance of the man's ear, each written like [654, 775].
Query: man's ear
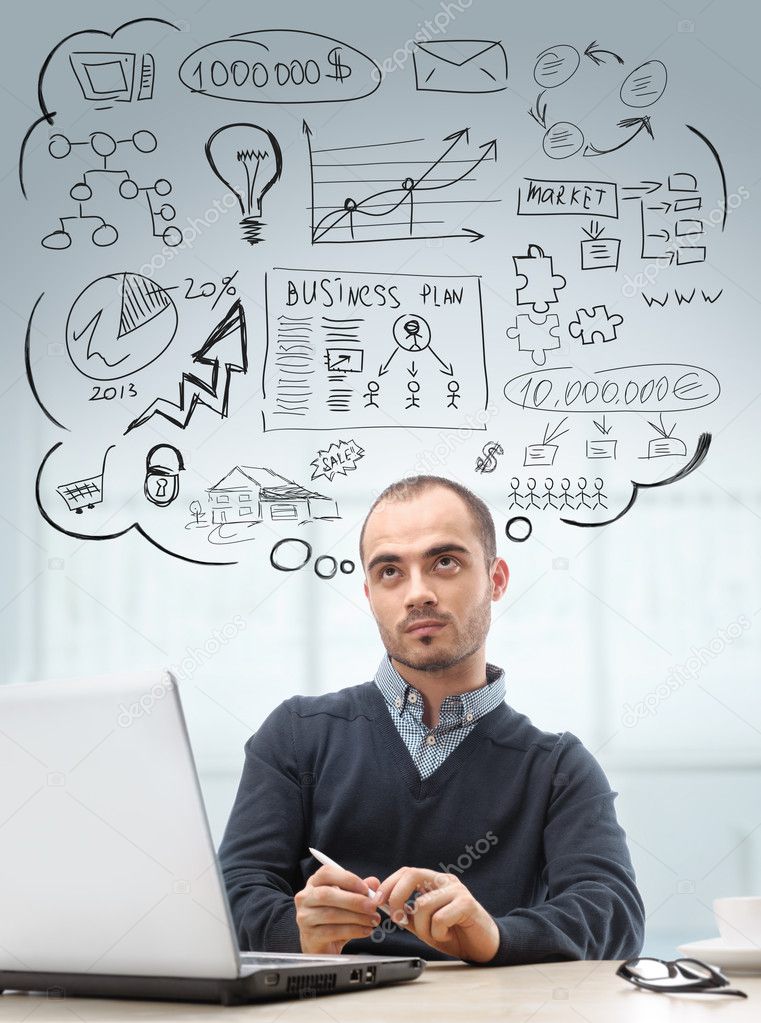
[500, 574]
[367, 591]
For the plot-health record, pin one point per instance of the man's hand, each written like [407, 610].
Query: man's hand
[445, 916]
[334, 907]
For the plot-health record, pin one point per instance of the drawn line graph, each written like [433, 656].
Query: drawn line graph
[421, 196]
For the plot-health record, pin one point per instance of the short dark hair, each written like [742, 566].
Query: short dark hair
[412, 486]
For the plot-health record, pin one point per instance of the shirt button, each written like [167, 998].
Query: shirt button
[412, 698]
[430, 739]
[469, 716]
[398, 701]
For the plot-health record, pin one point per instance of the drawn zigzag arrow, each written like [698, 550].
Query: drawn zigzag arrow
[193, 388]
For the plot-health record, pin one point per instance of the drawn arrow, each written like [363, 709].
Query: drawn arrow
[602, 427]
[455, 138]
[448, 369]
[539, 115]
[660, 207]
[384, 366]
[593, 52]
[643, 123]
[222, 358]
[644, 187]
[306, 130]
[411, 370]
[489, 152]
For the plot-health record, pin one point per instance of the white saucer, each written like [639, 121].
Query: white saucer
[732, 958]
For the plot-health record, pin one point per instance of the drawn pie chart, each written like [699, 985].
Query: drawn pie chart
[119, 325]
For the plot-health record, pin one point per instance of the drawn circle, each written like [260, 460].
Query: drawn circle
[562, 140]
[167, 211]
[519, 520]
[128, 189]
[645, 84]
[350, 204]
[102, 143]
[413, 386]
[59, 147]
[556, 65]
[347, 566]
[119, 324]
[331, 570]
[144, 141]
[293, 543]
[453, 386]
[104, 235]
[373, 386]
[172, 236]
[80, 192]
[162, 187]
[412, 332]
[408, 184]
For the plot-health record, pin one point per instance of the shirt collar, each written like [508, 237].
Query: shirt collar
[477, 702]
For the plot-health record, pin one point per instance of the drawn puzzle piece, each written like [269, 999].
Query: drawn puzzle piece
[598, 325]
[540, 285]
[537, 335]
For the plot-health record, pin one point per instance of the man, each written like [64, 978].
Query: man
[490, 840]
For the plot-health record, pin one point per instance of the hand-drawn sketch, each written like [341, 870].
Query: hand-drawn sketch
[536, 334]
[460, 65]
[105, 77]
[597, 325]
[563, 197]
[487, 460]
[540, 283]
[393, 367]
[104, 146]
[118, 325]
[645, 84]
[682, 297]
[85, 493]
[555, 65]
[663, 387]
[163, 465]
[224, 352]
[340, 457]
[562, 139]
[250, 494]
[421, 200]
[599, 252]
[665, 443]
[676, 239]
[280, 66]
[544, 453]
[518, 528]
[601, 446]
[248, 160]
[639, 124]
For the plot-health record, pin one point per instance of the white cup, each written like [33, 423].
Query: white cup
[739, 920]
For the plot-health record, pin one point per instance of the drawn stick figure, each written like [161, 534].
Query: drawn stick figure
[566, 501]
[454, 393]
[581, 493]
[413, 401]
[514, 499]
[371, 393]
[599, 499]
[533, 500]
[549, 498]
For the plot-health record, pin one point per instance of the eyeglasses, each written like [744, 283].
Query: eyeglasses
[685, 975]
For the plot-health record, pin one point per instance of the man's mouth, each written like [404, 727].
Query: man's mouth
[424, 628]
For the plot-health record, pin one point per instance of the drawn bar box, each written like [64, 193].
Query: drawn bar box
[545, 197]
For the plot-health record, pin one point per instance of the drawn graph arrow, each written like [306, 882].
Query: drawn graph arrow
[225, 353]
[643, 124]
[392, 198]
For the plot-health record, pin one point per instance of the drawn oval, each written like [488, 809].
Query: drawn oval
[556, 65]
[280, 66]
[645, 84]
[562, 140]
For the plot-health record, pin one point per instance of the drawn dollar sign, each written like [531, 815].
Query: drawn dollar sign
[340, 70]
[489, 462]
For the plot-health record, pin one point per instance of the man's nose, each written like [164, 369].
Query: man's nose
[419, 590]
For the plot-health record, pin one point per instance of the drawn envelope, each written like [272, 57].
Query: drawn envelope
[460, 65]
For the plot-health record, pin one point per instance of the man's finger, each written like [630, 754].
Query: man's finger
[345, 879]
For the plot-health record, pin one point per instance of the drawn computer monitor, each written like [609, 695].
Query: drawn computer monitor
[111, 76]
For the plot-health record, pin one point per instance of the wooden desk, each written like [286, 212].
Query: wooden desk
[573, 992]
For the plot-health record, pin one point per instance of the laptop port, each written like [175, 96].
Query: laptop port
[355, 976]
[370, 973]
[271, 979]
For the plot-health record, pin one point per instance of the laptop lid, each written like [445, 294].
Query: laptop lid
[108, 864]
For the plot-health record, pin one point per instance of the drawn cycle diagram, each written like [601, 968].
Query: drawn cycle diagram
[342, 351]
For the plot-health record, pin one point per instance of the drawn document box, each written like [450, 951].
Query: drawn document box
[460, 65]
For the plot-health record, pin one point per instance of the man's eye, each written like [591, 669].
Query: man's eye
[388, 568]
[448, 558]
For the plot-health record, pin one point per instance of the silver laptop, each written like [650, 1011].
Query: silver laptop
[109, 881]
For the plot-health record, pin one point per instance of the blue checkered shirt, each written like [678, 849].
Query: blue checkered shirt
[429, 747]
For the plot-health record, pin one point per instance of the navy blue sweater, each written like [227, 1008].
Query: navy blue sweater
[525, 818]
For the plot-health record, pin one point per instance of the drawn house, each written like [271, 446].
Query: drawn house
[251, 493]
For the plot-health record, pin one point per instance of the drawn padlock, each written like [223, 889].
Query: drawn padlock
[541, 284]
[163, 465]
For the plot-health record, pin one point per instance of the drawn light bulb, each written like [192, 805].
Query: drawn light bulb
[248, 160]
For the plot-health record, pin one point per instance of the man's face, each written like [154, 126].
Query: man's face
[424, 563]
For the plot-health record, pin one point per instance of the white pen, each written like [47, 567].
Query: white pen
[332, 863]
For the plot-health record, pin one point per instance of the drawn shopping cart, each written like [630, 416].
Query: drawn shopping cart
[86, 493]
